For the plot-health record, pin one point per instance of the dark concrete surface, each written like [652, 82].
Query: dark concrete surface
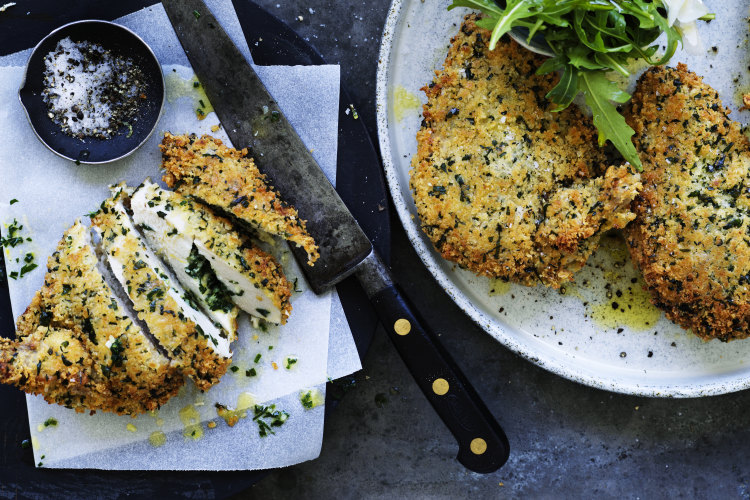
[567, 440]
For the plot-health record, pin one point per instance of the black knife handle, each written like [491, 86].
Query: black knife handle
[483, 446]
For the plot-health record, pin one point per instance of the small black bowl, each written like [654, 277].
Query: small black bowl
[120, 41]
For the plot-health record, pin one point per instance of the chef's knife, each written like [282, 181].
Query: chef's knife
[252, 119]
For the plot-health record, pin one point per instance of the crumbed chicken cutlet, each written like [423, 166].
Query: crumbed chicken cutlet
[690, 236]
[222, 267]
[197, 347]
[504, 186]
[76, 345]
[228, 180]
[35, 365]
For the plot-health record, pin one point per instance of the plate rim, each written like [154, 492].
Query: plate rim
[427, 254]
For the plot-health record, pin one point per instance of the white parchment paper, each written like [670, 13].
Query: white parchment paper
[52, 193]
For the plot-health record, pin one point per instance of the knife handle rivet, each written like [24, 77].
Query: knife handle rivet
[440, 386]
[402, 326]
[478, 446]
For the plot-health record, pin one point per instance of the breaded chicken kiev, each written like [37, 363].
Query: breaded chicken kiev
[690, 236]
[77, 346]
[198, 347]
[218, 265]
[504, 186]
[228, 180]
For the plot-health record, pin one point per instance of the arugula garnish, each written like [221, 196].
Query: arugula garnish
[588, 38]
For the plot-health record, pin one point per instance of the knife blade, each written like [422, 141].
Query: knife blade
[243, 106]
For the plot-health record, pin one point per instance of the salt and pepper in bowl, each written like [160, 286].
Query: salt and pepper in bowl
[93, 91]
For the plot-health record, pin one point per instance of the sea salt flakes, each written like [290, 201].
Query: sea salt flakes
[89, 91]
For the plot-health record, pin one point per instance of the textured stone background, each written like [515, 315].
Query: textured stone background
[566, 440]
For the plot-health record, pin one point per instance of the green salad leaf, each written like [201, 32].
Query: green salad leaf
[587, 39]
[599, 93]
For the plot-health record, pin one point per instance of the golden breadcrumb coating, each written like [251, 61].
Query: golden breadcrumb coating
[690, 236]
[504, 186]
[53, 363]
[227, 179]
[270, 278]
[76, 315]
[152, 297]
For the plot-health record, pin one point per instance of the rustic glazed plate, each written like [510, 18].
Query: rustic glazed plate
[602, 331]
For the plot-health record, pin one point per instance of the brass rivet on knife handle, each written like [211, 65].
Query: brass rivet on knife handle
[478, 446]
[440, 386]
[482, 444]
[402, 326]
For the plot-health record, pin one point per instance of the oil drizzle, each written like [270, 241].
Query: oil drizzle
[157, 439]
[245, 401]
[403, 102]
[177, 87]
[191, 422]
[499, 287]
[311, 399]
[624, 302]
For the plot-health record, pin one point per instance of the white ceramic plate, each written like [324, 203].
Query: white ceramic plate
[577, 335]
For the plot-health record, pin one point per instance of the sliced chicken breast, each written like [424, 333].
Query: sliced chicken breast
[227, 179]
[214, 261]
[198, 347]
[160, 219]
[77, 345]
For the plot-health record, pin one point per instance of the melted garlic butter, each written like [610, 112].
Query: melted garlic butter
[191, 422]
[245, 401]
[157, 439]
[403, 102]
[610, 289]
[178, 87]
[633, 309]
[311, 399]
[624, 302]
[499, 287]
